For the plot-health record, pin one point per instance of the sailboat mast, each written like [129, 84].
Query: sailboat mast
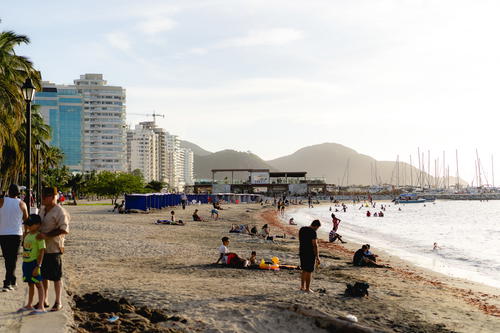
[444, 170]
[458, 176]
[429, 168]
[411, 172]
[479, 181]
[492, 172]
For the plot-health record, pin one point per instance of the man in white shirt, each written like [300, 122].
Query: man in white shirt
[223, 250]
[13, 212]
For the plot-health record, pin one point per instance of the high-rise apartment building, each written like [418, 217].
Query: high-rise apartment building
[104, 130]
[142, 151]
[61, 107]
[159, 156]
[187, 157]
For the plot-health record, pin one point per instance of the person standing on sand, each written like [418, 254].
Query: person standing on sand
[309, 254]
[55, 225]
[13, 212]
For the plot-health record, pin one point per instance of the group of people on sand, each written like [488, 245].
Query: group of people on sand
[42, 238]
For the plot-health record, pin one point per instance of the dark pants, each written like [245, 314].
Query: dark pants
[10, 247]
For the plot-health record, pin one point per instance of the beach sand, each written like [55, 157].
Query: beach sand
[171, 268]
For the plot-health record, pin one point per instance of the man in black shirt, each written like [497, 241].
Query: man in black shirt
[361, 259]
[309, 255]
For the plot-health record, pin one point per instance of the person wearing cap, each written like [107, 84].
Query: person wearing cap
[55, 225]
[13, 212]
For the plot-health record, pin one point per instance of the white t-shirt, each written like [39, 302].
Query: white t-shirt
[223, 250]
[11, 217]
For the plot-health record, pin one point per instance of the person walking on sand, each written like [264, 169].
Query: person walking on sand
[55, 225]
[309, 254]
[13, 212]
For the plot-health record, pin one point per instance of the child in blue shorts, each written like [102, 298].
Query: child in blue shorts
[33, 251]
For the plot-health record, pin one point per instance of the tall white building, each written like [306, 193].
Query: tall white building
[159, 156]
[142, 151]
[187, 157]
[104, 132]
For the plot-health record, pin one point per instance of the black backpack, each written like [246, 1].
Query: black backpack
[360, 289]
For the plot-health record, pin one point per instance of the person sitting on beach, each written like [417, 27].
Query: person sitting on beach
[292, 221]
[265, 232]
[223, 251]
[214, 213]
[172, 216]
[254, 231]
[333, 236]
[368, 214]
[380, 214]
[253, 258]
[360, 258]
[229, 258]
[369, 253]
[375, 215]
[196, 217]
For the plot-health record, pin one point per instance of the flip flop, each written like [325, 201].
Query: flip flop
[36, 306]
[56, 307]
[36, 312]
[25, 308]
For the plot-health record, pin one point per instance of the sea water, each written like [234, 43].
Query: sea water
[467, 234]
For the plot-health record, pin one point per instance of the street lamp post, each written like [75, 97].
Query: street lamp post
[38, 184]
[28, 93]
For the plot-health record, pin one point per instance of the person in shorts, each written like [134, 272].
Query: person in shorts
[33, 252]
[55, 225]
[308, 252]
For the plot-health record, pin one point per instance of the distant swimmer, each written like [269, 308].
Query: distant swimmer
[436, 247]
[292, 221]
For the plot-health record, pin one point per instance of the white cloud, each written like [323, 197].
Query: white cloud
[153, 25]
[119, 40]
[198, 51]
[276, 36]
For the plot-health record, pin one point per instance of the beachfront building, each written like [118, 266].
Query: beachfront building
[187, 157]
[158, 154]
[61, 107]
[103, 125]
[142, 152]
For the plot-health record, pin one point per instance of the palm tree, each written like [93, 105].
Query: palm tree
[14, 70]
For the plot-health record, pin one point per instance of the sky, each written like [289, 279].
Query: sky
[382, 77]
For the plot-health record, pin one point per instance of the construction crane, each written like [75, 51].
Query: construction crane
[154, 115]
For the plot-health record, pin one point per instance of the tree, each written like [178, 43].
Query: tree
[115, 184]
[75, 182]
[14, 70]
[155, 186]
[57, 177]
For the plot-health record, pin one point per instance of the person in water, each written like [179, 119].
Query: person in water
[292, 221]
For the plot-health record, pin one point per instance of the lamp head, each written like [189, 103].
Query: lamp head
[28, 90]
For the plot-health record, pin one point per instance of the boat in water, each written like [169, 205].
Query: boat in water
[412, 198]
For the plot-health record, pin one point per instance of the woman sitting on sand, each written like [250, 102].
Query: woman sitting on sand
[265, 232]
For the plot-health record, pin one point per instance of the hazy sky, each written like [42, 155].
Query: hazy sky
[382, 77]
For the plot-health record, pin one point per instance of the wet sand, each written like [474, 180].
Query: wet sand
[171, 268]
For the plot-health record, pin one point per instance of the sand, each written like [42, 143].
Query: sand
[171, 268]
